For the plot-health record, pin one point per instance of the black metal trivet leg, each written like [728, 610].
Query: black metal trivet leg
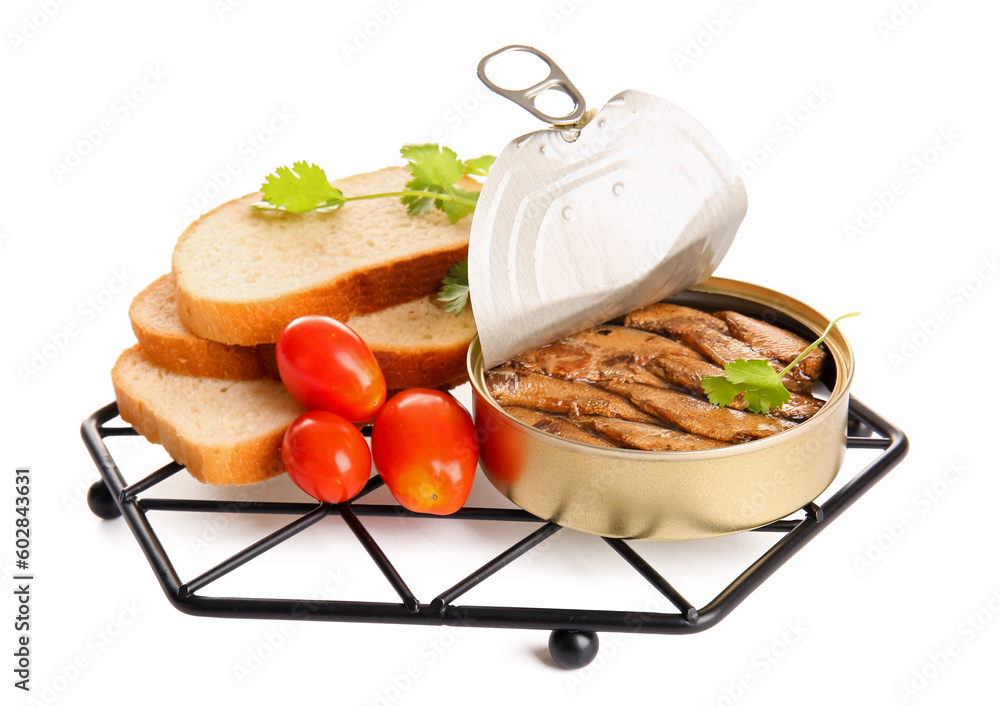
[101, 502]
[855, 427]
[573, 649]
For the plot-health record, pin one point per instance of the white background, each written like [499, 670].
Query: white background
[870, 600]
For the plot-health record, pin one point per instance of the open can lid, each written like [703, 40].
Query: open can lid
[569, 233]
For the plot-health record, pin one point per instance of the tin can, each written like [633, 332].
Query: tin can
[675, 495]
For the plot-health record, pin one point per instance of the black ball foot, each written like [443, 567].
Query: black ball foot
[573, 649]
[101, 503]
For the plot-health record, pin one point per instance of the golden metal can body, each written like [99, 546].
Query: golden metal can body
[679, 494]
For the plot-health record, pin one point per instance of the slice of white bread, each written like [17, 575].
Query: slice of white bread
[226, 432]
[417, 343]
[242, 274]
[167, 343]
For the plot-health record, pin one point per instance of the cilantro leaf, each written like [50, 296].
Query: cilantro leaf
[418, 205]
[457, 210]
[304, 190]
[435, 170]
[480, 166]
[764, 400]
[720, 390]
[433, 165]
[762, 387]
[758, 383]
[455, 288]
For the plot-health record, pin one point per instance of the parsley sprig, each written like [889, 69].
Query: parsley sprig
[455, 288]
[756, 380]
[435, 171]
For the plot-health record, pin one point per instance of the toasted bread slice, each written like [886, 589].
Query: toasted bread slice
[242, 274]
[167, 343]
[226, 432]
[417, 343]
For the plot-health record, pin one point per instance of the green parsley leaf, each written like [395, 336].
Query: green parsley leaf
[433, 165]
[758, 383]
[419, 204]
[480, 166]
[305, 190]
[756, 380]
[457, 210]
[455, 288]
[435, 170]
[720, 390]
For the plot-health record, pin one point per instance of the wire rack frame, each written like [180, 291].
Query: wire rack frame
[573, 642]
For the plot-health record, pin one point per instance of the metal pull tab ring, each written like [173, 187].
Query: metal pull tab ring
[556, 80]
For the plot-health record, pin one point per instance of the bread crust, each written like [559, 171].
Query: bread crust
[243, 463]
[192, 355]
[429, 367]
[188, 354]
[202, 358]
[248, 462]
[234, 340]
[361, 291]
[432, 367]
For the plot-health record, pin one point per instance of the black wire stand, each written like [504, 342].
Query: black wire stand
[573, 642]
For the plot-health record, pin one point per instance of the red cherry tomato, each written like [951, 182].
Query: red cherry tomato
[326, 456]
[325, 365]
[424, 447]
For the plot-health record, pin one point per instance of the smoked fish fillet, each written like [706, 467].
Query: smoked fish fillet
[649, 437]
[673, 319]
[697, 416]
[619, 340]
[721, 348]
[557, 426]
[687, 374]
[581, 361]
[524, 389]
[775, 343]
